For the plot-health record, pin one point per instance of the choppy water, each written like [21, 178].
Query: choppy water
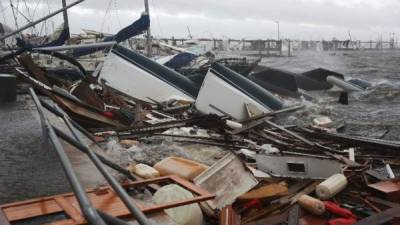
[29, 168]
[375, 66]
[374, 112]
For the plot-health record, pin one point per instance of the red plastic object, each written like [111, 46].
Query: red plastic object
[337, 210]
[253, 203]
[108, 114]
[342, 221]
[348, 217]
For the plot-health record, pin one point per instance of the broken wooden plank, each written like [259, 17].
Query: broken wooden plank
[381, 218]
[228, 216]
[3, 218]
[269, 114]
[266, 191]
[389, 189]
[290, 133]
[262, 134]
[271, 220]
[294, 215]
[248, 126]
[103, 199]
[69, 209]
[383, 202]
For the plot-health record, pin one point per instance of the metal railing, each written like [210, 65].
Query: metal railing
[92, 215]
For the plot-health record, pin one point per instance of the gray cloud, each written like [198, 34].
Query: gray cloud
[316, 19]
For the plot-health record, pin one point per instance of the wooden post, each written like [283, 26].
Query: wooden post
[280, 47]
[173, 41]
[148, 36]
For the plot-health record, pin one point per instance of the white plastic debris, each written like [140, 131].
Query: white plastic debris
[227, 179]
[390, 171]
[115, 151]
[183, 215]
[143, 171]
[260, 175]
[233, 125]
[311, 204]
[268, 149]
[331, 186]
[187, 131]
[323, 121]
[184, 168]
[248, 153]
[352, 156]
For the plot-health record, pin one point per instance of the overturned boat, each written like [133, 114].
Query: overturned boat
[317, 79]
[136, 75]
[227, 93]
[291, 84]
[223, 91]
[277, 81]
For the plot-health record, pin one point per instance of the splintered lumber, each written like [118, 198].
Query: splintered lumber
[266, 191]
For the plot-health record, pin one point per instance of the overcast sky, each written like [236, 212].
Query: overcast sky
[251, 19]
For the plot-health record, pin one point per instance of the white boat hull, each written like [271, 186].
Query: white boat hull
[216, 96]
[136, 81]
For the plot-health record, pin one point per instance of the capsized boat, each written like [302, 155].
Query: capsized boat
[277, 81]
[225, 92]
[317, 79]
[138, 76]
[291, 84]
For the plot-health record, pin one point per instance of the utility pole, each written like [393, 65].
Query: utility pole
[190, 34]
[277, 22]
[148, 38]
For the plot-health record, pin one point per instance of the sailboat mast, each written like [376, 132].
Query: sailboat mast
[66, 23]
[148, 36]
[39, 20]
[13, 12]
[65, 15]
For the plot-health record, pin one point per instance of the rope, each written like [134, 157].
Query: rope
[28, 11]
[15, 17]
[116, 13]
[36, 7]
[157, 18]
[2, 12]
[105, 15]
